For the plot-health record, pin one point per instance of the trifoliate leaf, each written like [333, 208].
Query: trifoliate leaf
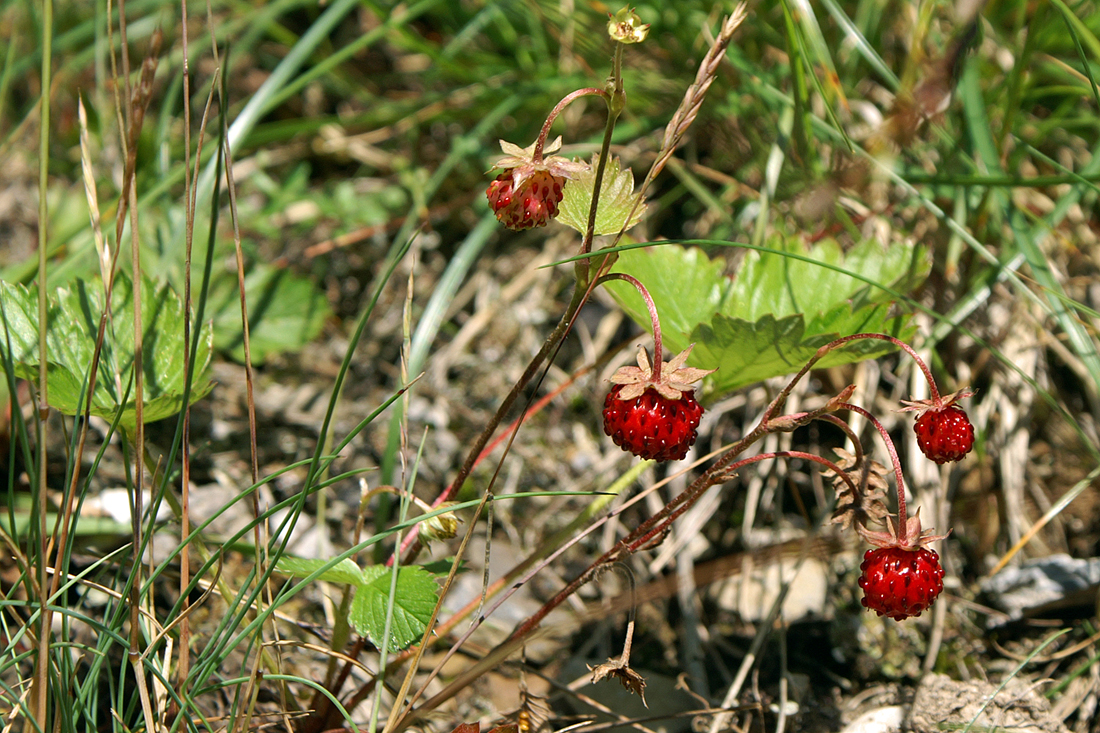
[781, 306]
[616, 200]
[413, 604]
[72, 322]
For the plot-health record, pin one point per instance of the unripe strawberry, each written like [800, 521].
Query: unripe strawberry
[899, 582]
[527, 193]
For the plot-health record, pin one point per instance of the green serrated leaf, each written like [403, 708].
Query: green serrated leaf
[782, 306]
[285, 313]
[616, 200]
[345, 571]
[745, 352]
[415, 600]
[72, 323]
[770, 282]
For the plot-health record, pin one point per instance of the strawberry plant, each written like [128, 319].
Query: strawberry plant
[784, 310]
[621, 342]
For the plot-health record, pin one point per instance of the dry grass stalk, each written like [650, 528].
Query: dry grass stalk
[693, 98]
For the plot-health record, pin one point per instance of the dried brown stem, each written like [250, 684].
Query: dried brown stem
[693, 98]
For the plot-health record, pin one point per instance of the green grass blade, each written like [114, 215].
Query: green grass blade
[861, 44]
[261, 101]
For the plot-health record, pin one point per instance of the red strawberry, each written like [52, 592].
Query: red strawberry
[901, 577]
[944, 432]
[653, 413]
[944, 435]
[652, 426]
[899, 582]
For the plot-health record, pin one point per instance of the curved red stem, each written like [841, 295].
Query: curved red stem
[545, 132]
[932, 388]
[893, 459]
[658, 356]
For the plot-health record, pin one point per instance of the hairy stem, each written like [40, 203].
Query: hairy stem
[565, 102]
[658, 356]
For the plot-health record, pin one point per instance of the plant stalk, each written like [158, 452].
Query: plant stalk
[42, 666]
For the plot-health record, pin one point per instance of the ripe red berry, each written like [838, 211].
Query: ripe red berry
[944, 435]
[900, 583]
[532, 204]
[651, 425]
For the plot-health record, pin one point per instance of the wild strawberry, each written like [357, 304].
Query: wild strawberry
[901, 577]
[900, 583]
[652, 426]
[532, 205]
[653, 413]
[944, 435]
[944, 432]
[529, 190]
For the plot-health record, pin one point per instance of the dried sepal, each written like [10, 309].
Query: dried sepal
[681, 377]
[675, 378]
[945, 401]
[912, 539]
[523, 160]
[620, 670]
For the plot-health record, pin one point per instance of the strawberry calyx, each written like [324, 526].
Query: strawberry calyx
[670, 379]
[937, 403]
[523, 163]
[910, 537]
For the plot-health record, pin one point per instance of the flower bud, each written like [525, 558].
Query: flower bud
[441, 526]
